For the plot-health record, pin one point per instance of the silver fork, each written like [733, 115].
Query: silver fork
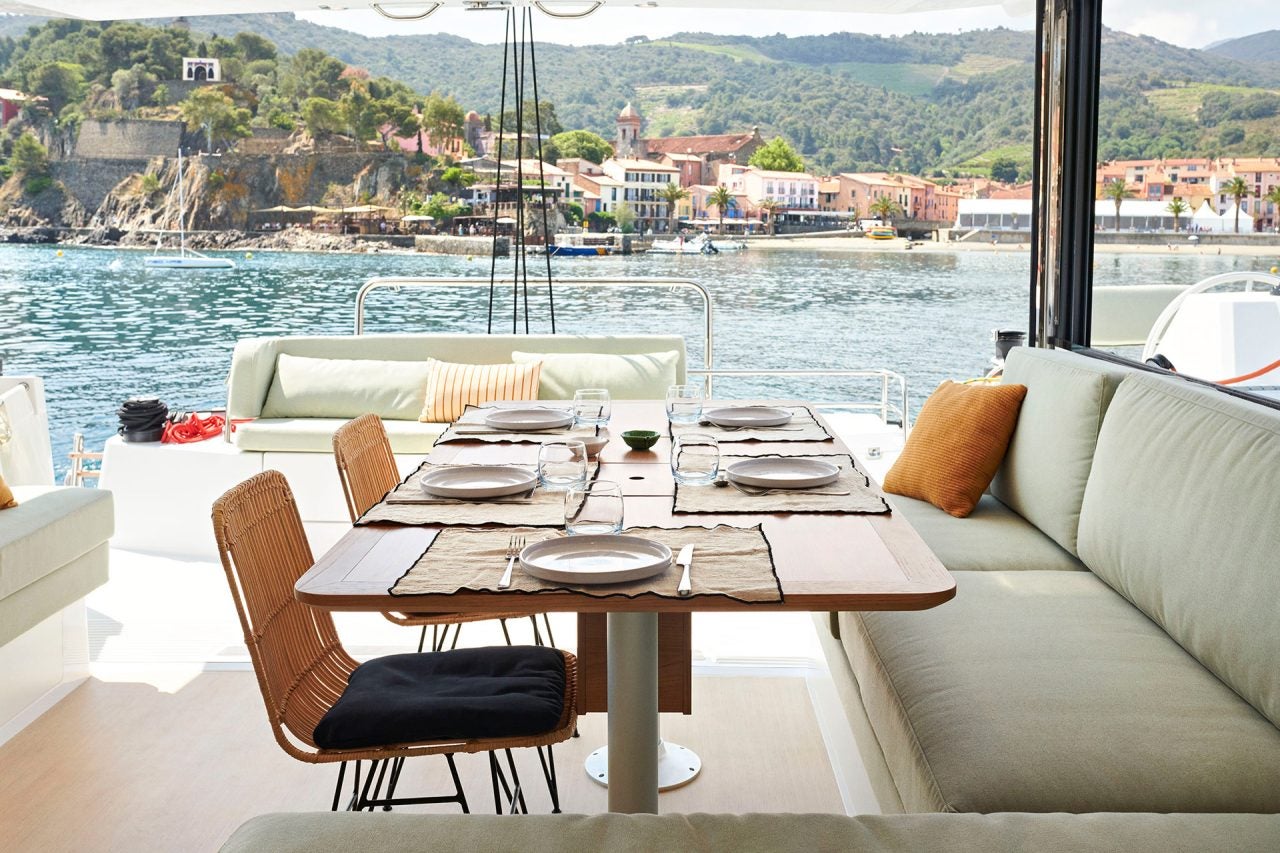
[514, 547]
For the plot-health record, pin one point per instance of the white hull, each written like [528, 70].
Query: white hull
[189, 262]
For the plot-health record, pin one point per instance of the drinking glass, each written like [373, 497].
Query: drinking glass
[684, 404]
[562, 464]
[695, 459]
[591, 406]
[593, 508]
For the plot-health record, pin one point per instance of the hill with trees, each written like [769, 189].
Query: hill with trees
[921, 103]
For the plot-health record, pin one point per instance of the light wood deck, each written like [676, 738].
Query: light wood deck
[124, 767]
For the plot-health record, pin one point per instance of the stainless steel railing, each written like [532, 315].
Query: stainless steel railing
[893, 386]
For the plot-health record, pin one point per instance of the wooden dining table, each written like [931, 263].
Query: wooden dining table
[823, 561]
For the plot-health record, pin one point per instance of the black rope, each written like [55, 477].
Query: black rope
[542, 180]
[521, 256]
[507, 31]
[524, 250]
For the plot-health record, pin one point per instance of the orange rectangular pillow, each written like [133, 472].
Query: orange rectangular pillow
[452, 387]
[7, 501]
[956, 445]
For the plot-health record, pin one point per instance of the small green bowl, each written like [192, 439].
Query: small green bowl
[640, 439]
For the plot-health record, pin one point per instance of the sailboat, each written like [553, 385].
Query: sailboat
[186, 259]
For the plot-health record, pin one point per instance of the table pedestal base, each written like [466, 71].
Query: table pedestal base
[677, 765]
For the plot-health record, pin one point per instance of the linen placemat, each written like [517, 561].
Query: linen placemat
[731, 562]
[471, 427]
[408, 504]
[803, 426]
[864, 496]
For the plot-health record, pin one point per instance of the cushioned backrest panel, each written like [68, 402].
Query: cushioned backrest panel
[1047, 465]
[346, 388]
[253, 363]
[625, 377]
[1180, 517]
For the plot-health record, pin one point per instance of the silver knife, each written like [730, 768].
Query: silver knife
[685, 559]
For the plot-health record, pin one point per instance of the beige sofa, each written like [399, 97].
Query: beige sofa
[401, 833]
[1114, 639]
[280, 423]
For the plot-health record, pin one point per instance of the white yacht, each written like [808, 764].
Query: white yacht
[1083, 658]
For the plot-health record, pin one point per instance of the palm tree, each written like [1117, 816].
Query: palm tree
[1177, 207]
[1274, 197]
[1238, 190]
[672, 194]
[1117, 191]
[772, 206]
[722, 200]
[883, 208]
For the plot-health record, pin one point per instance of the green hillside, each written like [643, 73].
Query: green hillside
[919, 103]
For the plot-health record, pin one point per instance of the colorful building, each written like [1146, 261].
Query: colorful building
[11, 103]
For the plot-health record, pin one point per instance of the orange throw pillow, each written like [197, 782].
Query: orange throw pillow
[7, 500]
[957, 444]
[452, 387]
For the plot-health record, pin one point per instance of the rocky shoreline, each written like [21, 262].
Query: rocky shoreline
[292, 240]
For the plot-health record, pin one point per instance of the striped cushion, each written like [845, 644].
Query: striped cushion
[956, 446]
[453, 387]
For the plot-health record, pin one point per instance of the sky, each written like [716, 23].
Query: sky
[1190, 23]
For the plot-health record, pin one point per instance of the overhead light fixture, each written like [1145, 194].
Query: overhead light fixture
[541, 6]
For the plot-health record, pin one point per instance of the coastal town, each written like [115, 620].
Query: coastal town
[397, 169]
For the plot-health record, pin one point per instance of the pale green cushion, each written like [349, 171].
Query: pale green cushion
[346, 388]
[315, 435]
[992, 538]
[253, 363]
[398, 832]
[1047, 691]
[50, 527]
[1047, 465]
[23, 610]
[1180, 517]
[644, 376]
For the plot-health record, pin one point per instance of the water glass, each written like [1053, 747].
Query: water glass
[562, 464]
[695, 459]
[593, 508]
[591, 406]
[684, 404]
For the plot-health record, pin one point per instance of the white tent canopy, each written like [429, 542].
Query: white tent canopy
[1229, 221]
[1206, 219]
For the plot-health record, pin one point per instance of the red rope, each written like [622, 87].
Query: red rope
[1254, 375]
[194, 428]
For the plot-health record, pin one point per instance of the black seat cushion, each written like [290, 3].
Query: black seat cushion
[505, 691]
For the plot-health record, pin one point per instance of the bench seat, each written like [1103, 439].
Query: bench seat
[1048, 691]
[315, 435]
[400, 833]
[993, 538]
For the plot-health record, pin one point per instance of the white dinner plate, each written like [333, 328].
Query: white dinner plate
[747, 416]
[520, 420]
[478, 481]
[594, 559]
[783, 473]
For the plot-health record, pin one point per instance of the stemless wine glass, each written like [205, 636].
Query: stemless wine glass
[684, 404]
[593, 508]
[695, 459]
[591, 406]
[562, 464]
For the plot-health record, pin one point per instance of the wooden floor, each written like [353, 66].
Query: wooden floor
[124, 767]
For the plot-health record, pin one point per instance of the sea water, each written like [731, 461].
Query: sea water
[99, 328]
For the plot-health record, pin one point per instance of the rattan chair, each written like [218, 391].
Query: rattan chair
[367, 470]
[303, 670]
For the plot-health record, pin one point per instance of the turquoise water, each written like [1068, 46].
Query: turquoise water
[100, 328]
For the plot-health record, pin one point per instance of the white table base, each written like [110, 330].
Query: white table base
[677, 765]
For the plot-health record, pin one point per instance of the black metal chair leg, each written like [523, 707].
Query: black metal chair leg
[396, 766]
[422, 640]
[355, 789]
[551, 640]
[337, 789]
[549, 773]
[368, 782]
[377, 788]
[457, 632]
[494, 772]
[505, 632]
[515, 781]
[457, 783]
[537, 635]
